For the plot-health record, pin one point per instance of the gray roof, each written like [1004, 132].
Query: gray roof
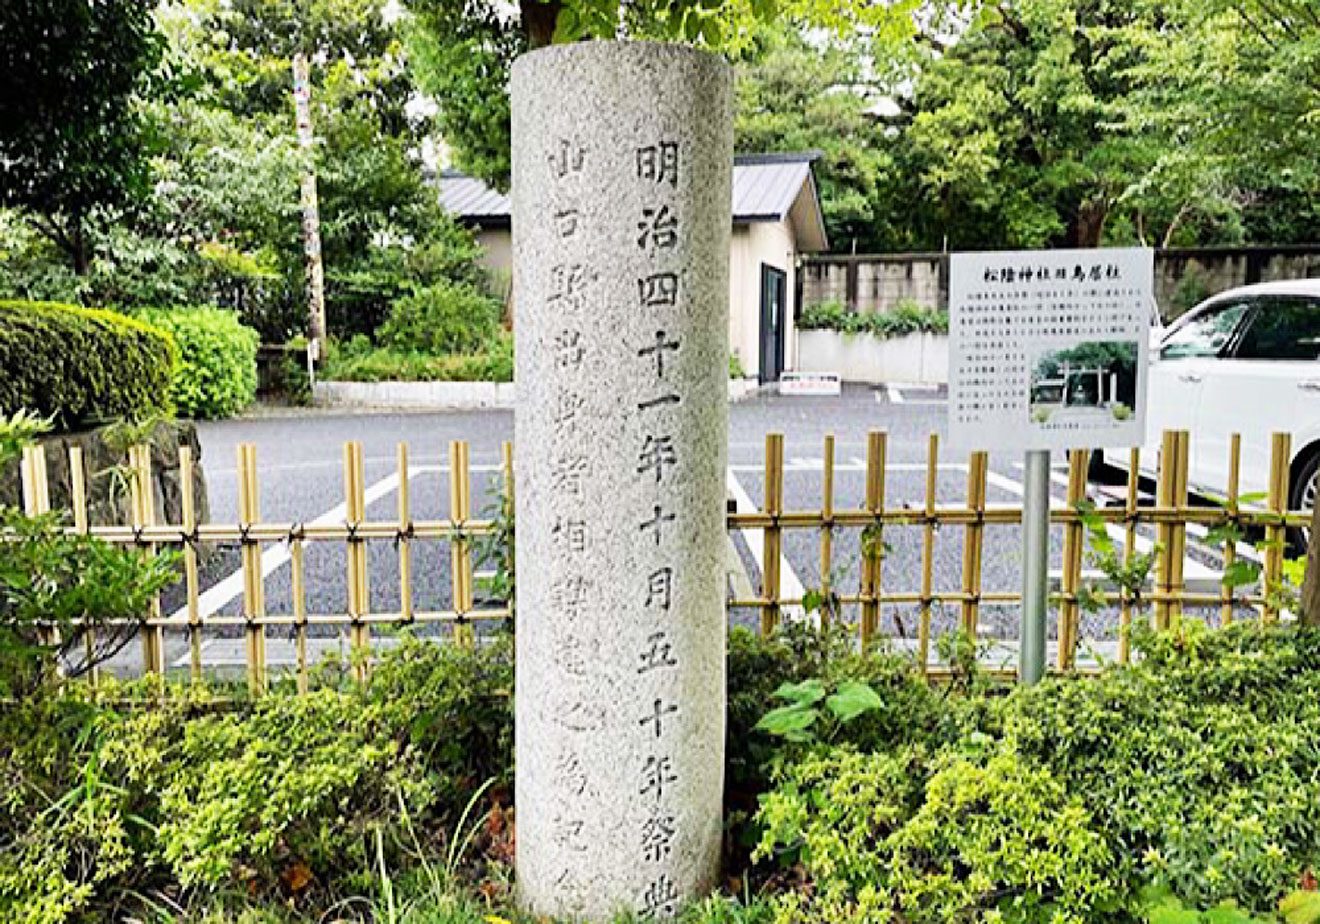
[468, 197]
[765, 186]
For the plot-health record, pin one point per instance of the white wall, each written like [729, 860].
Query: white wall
[497, 244]
[753, 244]
[914, 359]
[769, 242]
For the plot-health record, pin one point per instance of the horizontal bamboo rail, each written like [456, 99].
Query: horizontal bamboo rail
[1169, 517]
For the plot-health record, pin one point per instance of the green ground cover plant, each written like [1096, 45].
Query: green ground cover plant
[78, 366]
[216, 372]
[1177, 790]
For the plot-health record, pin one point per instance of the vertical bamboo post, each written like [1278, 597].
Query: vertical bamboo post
[1074, 539]
[1231, 508]
[28, 479]
[873, 545]
[928, 550]
[358, 595]
[772, 538]
[404, 537]
[298, 572]
[189, 525]
[826, 529]
[1280, 454]
[254, 589]
[144, 515]
[1178, 534]
[1164, 529]
[81, 523]
[1129, 549]
[506, 456]
[973, 541]
[36, 485]
[36, 502]
[460, 546]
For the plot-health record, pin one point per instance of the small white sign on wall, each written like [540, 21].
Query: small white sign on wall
[810, 383]
[1048, 349]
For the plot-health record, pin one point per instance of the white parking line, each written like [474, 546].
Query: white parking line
[1196, 576]
[216, 597]
[789, 584]
[1244, 550]
[276, 555]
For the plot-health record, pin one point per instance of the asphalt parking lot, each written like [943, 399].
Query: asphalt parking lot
[299, 459]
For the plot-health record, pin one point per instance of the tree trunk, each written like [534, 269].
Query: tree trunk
[1089, 224]
[1310, 614]
[539, 18]
[78, 245]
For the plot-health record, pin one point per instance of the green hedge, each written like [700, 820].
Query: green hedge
[358, 361]
[81, 365]
[907, 317]
[216, 375]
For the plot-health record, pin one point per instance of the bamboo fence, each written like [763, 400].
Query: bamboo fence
[1169, 517]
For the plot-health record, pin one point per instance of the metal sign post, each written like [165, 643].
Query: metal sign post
[1035, 565]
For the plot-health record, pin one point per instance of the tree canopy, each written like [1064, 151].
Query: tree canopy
[70, 139]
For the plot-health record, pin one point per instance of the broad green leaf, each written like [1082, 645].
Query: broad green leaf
[1300, 907]
[806, 693]
[1243, 571]
[789, 722]
[852, 700]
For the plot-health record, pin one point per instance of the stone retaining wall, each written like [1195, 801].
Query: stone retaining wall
[108, 500]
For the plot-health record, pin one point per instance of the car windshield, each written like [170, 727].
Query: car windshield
[1204, 334]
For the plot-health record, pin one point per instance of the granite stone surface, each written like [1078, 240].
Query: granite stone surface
[622, 158]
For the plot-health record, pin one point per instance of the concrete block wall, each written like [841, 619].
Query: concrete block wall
[878, 282]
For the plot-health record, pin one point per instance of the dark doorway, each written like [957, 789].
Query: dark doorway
[774, 296]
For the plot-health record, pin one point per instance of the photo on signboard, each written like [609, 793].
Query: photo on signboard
[1091, 381]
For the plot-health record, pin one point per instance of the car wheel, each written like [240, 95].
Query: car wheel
[1301, 496]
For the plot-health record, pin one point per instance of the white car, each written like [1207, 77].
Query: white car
[1245, 361]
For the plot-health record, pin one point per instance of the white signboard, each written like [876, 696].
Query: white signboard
[1048, 349]
[810, 383]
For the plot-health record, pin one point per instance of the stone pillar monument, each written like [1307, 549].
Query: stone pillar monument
[622, 159]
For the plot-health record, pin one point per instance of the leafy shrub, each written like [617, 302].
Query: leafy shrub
[1198, 765]
[290, 375]
[907, 317]
[1188, 776]
[52, 583]
[957, 838]
[79, 365]
[236, 808]
[442, 319]
[289, 799]
[216, 375]
[366, 364]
